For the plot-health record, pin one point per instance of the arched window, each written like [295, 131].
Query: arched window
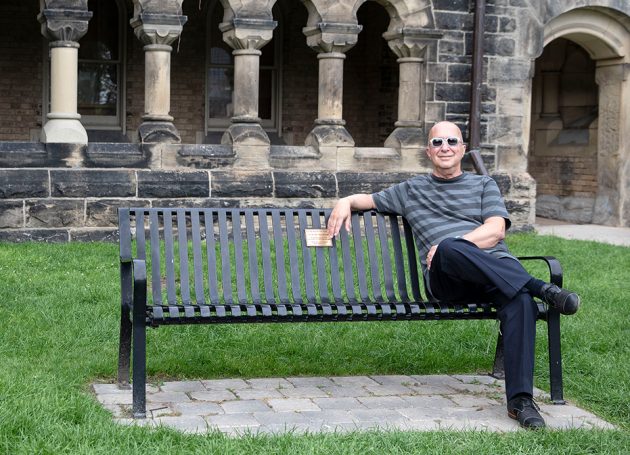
[220, 78]
[101, 74]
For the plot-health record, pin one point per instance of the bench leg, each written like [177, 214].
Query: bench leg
[124, 350]
[124, 347]
[498, 369]
[555, 357]
[139, 368]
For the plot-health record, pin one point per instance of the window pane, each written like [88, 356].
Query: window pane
[98, 89]
[266, 94]
[220, 92]
[101, 40]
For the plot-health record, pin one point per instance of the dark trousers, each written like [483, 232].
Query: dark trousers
[462, 271]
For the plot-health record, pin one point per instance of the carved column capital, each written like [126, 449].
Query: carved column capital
[64, 24]
[332, 36]
[246, 33]
[410, 43]
[157, 28]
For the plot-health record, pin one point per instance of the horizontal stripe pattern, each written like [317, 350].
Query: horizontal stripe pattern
[438, 208]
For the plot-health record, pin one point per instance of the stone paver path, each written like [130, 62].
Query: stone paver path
[323, 404]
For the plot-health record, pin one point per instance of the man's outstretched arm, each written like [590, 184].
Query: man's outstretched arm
[340, 215]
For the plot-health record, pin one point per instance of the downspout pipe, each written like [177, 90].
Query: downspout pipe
[474, 132]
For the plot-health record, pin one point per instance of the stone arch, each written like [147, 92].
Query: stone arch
[605, 35]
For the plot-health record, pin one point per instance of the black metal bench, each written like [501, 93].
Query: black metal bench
[213, 265]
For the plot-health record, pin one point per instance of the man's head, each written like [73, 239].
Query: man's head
[446, 149]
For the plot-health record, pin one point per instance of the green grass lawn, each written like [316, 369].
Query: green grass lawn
[59, 332]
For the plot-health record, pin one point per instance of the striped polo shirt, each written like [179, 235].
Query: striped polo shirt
[439, 208]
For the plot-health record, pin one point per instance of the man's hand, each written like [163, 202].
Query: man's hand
[430, 255]
[339, 216]
[342, 212]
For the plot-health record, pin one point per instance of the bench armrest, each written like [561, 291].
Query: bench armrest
[555, 269]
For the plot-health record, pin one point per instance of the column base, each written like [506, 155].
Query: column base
[152, 132]
[245, 134]
[69, 131]
[329, 136]
[404, 137]
[410, 143]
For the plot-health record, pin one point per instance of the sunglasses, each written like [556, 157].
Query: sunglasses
[437, 142]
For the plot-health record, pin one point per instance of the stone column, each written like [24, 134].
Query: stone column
[410, 47]
[157, 32]
[246, 37]
[612, 203]
[64, 27]
[330, 40]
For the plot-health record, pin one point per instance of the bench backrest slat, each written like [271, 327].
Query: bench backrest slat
[348, 274]
[280, 257]
[372, 257]
[265, 249]
[226, 273]
[306, 260]
[411, 261]
[154, 235]
[169, 250]
[293, 258]
[247, 252]
[398, 258]
[322, 274]
[388, 276]
[360, 261]
[211, 255]
[182, 237]
[239, 267]
[197, 258]
[252, 256]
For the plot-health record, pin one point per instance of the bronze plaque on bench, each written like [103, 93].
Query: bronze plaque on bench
[317, 237]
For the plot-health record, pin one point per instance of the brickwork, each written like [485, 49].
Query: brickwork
[21, 60]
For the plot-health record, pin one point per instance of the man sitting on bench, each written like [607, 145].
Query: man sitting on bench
[459, 222]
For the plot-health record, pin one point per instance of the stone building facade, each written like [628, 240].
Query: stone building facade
[110, 103]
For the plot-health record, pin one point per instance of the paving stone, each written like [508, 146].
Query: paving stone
[109, 389]
[136, 422]
[473, 401]
[311, 382]
[435, 380]
[280, 418]
[274, 383]
[403, 380]
[328, 416]
[215, 396]
[293, 404]
[241, 406]
[477, 379]
[429, 402]
[187, 424]
[303, 392]
[114, 398]
[345, 391]
[201, 408]
[116, 410]
[376, 415]
[160, 410]
[165, 397]
[430, 389]
[354, 381]
[389, 402]
[214, 384]
[389, 390]
[257, 394]
[239, 420]
[343, 403]
[183, 386]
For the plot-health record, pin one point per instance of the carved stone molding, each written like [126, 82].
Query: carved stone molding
[64, 24]
[332, 37]
[410, 43]
[246, 33]
[151, 28]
